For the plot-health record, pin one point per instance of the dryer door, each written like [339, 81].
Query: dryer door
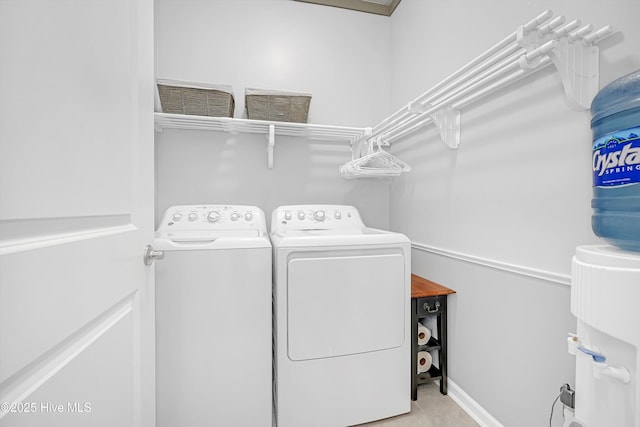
[341, 305]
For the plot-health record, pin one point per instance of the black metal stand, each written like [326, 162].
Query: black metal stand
[421, 308]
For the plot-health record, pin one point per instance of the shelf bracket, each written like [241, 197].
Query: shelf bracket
[270, 145]
[578, 62]
[358, 145]
[447, 121]
[573, 54]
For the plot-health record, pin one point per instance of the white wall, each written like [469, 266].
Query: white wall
[194, 167]
[515, 195]
[341, 57]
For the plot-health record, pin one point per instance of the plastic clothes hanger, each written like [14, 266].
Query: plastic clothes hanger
[376, 162]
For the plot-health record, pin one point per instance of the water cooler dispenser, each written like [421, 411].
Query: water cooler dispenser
[605, 298]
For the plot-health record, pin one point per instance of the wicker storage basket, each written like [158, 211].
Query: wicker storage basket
[199, 99]
[277, 105]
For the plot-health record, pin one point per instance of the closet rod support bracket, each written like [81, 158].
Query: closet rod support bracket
[358, 144]
[447, 121]
[270, 145]
[577, 60]
[579, 69]
[572, 51]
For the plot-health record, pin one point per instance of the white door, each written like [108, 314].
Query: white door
[76, 196]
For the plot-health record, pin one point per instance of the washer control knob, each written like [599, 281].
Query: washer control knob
[248, 216]
[300, 215]
[337, 215]
[177, 216]
[319, 215]
[235, 216]
[214, 216]
[193, 216]
[287, 215]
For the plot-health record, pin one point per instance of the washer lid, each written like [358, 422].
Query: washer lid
[357, 237]
[208, 227]
[192, 236]
[221, 239]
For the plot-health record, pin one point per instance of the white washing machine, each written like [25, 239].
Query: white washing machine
[213, 317]
[342, 296]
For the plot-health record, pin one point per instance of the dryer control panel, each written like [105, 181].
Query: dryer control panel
[315, 217]
[212, 217]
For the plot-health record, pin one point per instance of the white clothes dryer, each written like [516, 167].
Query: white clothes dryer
[213, 317]
[342, 294]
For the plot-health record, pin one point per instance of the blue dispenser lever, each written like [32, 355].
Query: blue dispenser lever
[597, 357]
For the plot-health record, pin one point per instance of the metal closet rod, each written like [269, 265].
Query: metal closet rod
[506, 72]
[500, 65]
[423, 119]
[486, 56]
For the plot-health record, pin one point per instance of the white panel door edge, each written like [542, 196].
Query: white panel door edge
[76, 212]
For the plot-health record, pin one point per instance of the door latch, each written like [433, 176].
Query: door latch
[150, 255]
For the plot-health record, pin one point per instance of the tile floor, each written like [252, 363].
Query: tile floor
[430, 410]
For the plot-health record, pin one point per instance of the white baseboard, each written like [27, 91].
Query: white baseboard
[470, 406]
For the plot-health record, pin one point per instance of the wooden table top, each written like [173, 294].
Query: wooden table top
[421, 287]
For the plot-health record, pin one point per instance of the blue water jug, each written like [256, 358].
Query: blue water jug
[615, 123]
